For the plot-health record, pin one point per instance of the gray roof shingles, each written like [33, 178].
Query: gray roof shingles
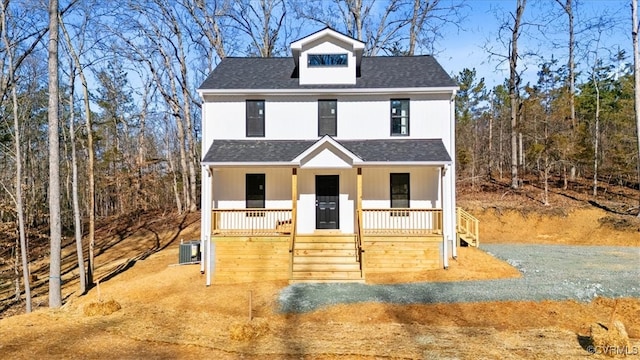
[280, 73]
[284, 151]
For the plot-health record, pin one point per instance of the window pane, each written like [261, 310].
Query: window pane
[399, 190]
[327, 117]
[399, 117]
[255, 191]
[255, 118]
[327, 59]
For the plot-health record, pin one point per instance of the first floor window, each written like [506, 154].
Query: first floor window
[400, 117]
[255, 118]
[255, 191]
[399, 190]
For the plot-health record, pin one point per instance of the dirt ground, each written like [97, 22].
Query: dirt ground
[167, 312]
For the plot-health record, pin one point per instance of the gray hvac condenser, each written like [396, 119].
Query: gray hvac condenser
[189, 252]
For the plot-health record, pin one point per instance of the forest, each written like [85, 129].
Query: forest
[100, 113]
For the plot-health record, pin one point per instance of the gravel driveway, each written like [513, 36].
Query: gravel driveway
[553, 272]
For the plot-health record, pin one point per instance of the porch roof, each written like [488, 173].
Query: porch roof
[285, 152]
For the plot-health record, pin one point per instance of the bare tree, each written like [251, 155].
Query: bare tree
[55, 284]
[636, 77]
[427, 22]
[206, 17]
[18, 157]
[74, 182]
[514, 88]
[394, 27]
[91, 188]
[261, 21]
[568, 6]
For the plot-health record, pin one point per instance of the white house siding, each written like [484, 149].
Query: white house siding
[229, 187]
[424, 187]
[359, 117]
[325, 74]
[307, 199]
[424, 193]
[296, 117]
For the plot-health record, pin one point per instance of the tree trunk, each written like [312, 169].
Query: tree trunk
[55, 284]
[18, 157]
[490, 150]
[175, 178]
[596, 134]
[90, 163]
[636, 79]
[77, 225]
[514, 90]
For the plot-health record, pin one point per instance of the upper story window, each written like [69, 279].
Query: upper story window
[400, 117]
[327, 60]
[255, 118]
[327, 117]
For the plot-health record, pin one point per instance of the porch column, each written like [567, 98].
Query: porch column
[207, 246]
[359, 191]
[445, 250]
[294, 199]
[294, 216]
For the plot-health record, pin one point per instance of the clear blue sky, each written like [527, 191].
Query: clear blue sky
[465, 48]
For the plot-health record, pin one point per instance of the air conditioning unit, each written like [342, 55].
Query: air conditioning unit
[189, 252]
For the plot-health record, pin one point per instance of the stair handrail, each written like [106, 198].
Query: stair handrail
[468, 224]
[359, 237]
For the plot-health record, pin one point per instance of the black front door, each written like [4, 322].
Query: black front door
[327, 202]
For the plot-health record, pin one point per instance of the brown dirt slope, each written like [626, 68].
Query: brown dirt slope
[167, 312]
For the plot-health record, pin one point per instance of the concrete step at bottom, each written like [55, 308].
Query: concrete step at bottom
[326, 275]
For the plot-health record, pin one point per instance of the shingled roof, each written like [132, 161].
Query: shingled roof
[284, 151]
[280, 73]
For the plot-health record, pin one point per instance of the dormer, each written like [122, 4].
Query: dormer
[327, 57]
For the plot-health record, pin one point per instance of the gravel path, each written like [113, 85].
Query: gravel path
[553, 272]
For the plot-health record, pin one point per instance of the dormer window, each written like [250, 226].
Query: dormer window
[327, 57]
[327, 60]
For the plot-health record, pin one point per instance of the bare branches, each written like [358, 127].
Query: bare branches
[395, 27]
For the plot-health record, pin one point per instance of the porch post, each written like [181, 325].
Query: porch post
[294, 199]
[207, 246]
[294, 217]
[359, 220]
[359, 191]
[445, 251]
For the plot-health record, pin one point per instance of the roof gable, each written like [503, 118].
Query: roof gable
[235, 75]
[326, 34]
[327, 153]
[355, 152]
[242, 75]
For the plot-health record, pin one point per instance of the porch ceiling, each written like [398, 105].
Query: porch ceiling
[287, 152]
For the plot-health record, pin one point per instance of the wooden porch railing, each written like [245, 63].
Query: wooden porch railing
[401, 221]
[359, 238]
[251, 222]
[468, 227]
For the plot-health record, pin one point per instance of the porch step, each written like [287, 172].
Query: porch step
[325, 258]
[469, 239]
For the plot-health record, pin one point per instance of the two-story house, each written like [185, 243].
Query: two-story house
[327, 165]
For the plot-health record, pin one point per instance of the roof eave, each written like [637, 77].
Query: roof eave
[407, 163]
[297, 164]
[249, 164]
[359, 91]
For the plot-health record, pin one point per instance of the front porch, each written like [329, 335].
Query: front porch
[262, 244]
[326, 210]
